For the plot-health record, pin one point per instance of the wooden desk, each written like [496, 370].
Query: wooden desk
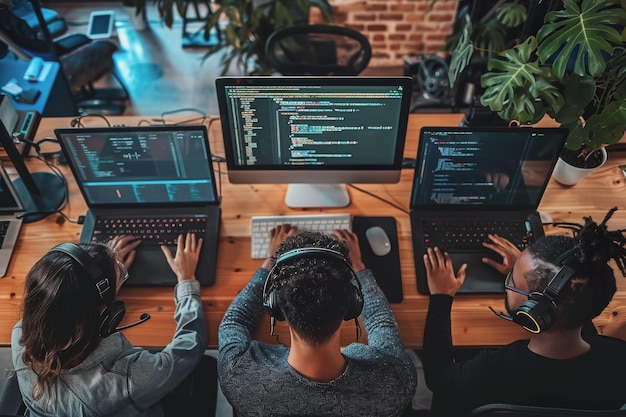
[473, 323]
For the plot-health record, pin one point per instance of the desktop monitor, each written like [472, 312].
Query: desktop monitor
[314, 133]
[42, 193]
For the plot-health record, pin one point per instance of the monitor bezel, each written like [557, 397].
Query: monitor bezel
[365, 174]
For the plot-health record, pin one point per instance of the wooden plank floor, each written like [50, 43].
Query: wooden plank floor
[160, 75]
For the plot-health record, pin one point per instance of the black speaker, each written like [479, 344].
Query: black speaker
[112, 316]
[270, 295]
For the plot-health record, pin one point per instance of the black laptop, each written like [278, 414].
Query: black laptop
[10, 225]
[151, 182]
[469, 182]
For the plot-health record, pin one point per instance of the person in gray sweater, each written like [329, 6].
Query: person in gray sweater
[314, 282]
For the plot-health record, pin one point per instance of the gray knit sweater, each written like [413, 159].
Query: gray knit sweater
[379, 379]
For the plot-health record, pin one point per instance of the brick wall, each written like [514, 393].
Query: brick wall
[397, 28]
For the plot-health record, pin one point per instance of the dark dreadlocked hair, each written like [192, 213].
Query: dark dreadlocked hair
[312, 292]
[593, 285]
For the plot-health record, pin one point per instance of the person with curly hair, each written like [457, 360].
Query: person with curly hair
[314, 282]
[554, 288]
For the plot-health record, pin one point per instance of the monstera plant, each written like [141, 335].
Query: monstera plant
[573, 69]
[244, 26]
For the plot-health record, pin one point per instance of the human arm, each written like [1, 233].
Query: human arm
[443, 284]
[243, 314]
[504, 248]
[164, 370]
[378, 319]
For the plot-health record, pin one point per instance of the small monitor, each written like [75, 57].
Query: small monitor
[314, 133]
[101, 24]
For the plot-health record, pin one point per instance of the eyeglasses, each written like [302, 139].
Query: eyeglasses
[125, 277]
[509, 284]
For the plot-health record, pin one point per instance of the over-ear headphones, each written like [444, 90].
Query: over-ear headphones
[537, 313]
[270, 293]
[111, 317]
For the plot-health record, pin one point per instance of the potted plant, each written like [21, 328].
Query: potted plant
[136, 11]
[244, 26]
[573, 70]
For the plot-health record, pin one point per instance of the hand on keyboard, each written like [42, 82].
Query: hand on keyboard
[124, 246]
[276, 236]
[325, 223]
[187, 255]
[504, 248]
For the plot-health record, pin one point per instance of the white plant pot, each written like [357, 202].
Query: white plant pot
[566, 174]
[138, 21]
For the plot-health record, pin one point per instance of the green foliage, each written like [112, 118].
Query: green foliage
[573, 70]
[512, 15]
[245, 25]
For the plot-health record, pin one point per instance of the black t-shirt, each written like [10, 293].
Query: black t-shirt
[515, 375]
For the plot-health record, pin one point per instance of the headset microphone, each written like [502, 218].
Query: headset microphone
[501, 315]
[143, 318]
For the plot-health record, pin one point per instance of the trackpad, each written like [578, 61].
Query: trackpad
[480, 277]
[151, 268]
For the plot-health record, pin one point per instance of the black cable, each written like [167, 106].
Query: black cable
[78, 121]
[392, 204]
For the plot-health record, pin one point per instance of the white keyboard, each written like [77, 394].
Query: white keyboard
[325, 223]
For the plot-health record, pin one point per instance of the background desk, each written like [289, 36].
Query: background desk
[55, 99]
[473, 324]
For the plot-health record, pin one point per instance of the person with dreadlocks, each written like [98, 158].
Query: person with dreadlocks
[554, 288]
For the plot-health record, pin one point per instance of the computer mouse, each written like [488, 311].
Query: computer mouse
[378, 240]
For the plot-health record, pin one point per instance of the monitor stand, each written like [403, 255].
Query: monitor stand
[317, 195]
[40, 205]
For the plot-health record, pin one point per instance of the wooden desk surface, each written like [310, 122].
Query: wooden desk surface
[472, 321]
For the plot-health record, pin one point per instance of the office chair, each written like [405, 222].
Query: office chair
[317, 50]
[511, 410]
[83, 61]
[11, 403]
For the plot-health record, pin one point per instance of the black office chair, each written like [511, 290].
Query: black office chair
[510, 410]
[318, 50]
[11, 403]
[83, 61]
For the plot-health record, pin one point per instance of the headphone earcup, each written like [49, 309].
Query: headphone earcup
[270, 302]
[111, 317]
[355, 302]
[535, 315]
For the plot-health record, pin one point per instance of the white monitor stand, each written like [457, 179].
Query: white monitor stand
[317, 195]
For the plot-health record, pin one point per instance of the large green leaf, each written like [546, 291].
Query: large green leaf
[512, 15]
[461, 55]
[511, 85]
[584, 34]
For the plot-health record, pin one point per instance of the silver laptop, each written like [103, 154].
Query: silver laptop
[10, 225]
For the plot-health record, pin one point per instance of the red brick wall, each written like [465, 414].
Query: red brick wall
[397, 28]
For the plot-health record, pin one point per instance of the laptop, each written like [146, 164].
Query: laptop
[491, 180]
[153, 183]
[10, 225]
[21, 123]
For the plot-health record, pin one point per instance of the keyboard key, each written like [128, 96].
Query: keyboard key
[470, 235]
[325, 223]
[151, 230]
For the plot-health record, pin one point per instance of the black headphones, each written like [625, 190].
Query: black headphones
[537, 313]
[270, 295]
[111, 317]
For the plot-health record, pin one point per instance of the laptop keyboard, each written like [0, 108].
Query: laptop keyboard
[151, 230]
[4, 227]
[325, 223]
[469, 235]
